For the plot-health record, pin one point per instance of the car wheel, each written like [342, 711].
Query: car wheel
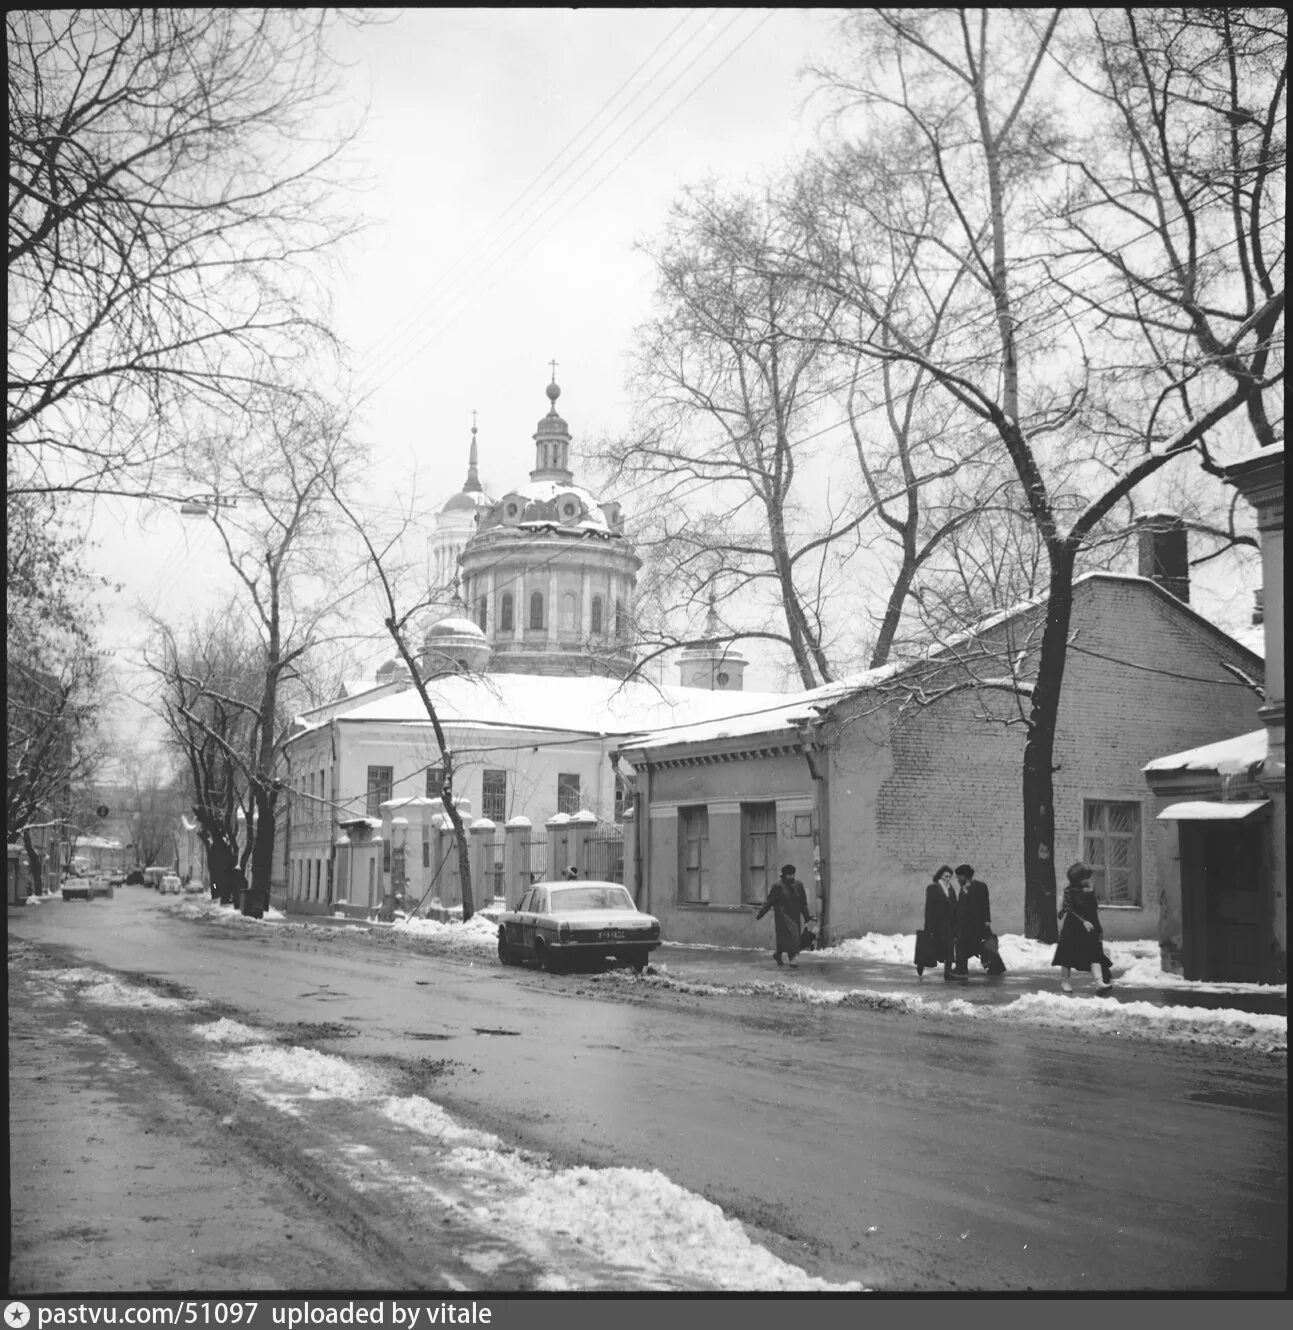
[506, 952]
[638, 960]
[553, 963]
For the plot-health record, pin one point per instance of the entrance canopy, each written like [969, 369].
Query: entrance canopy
[1212, 810]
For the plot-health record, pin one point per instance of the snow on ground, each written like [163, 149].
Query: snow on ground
[660, 1235]
[1262, 1032]
[1136, 964]
[107, 990]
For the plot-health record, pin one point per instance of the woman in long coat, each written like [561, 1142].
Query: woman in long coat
[788, 902]
[940, 922]
[1081, 944]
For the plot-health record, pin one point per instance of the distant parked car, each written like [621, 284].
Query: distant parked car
[557, 922]
[195, 886]
[153, 876]
[86, 888]
[135, 877]
[169, 885]
[117, 877]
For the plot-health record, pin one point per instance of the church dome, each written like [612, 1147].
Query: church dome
[452, 645]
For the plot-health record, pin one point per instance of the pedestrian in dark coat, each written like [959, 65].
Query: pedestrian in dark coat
[1081, 944]
[788, 902]
[973, 919]
[940, 920]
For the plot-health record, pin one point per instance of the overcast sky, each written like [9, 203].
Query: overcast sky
[511, 159]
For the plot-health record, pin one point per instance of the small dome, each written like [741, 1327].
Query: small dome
[462, 502]
[454, 628]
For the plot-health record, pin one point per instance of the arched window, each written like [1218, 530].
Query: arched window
[597, 614]
[505, 613]
[481, 609]
[536, 610]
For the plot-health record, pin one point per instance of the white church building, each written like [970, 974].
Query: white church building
[528, 669]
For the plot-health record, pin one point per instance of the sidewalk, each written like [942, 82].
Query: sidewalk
[837, 970]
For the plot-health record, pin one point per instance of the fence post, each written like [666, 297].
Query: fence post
[516, 859]
[557, 828]
[481, 853]
[582, 825]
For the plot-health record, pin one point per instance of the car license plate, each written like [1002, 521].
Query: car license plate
[612, 934]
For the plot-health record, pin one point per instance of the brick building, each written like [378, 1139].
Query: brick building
[866, 793]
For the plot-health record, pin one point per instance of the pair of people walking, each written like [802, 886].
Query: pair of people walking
[958, 925]
[788, 902]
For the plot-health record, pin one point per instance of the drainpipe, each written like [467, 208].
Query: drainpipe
[818, 759]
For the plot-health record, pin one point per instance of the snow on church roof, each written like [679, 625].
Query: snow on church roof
[583, 705]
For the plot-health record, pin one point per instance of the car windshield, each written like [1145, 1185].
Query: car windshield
[590, 898]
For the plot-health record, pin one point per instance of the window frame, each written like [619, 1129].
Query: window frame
[373, 805]
[564, 786]
[536, 612]
[1098, 859]
[766, 837]
[693, 818]
[506, 609]
[495, 798]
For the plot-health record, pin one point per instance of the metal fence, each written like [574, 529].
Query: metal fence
[604, 857]
[535, 853]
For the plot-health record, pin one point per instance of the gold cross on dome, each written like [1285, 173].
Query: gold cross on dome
[553, 363]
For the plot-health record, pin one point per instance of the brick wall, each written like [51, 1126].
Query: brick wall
[943, 785]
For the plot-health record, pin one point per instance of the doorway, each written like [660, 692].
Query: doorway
[1225, 906]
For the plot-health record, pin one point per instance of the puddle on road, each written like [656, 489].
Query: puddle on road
[481, 1029]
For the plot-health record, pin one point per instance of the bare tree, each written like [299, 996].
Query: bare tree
[964, 100]
[271, 507]
[728, 381]
[211, 677]
[388, 572]
[169, 196]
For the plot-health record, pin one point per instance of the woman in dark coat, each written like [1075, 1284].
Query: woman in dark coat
[1081, 944]
[788, 902]
[940, 921]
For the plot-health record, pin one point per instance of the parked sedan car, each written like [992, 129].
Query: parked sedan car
[169, 885]
[558, 922]
[85, 888]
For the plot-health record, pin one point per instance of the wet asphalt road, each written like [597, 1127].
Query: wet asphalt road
[908, 1152]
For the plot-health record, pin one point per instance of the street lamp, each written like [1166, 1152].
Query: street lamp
[200, 505]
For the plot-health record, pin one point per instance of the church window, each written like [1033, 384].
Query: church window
[597, 614]
[481, 611]
[505, 613]
[621, 623]
[536, 610]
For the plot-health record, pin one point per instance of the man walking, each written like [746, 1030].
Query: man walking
[973, 920]
[788, 902]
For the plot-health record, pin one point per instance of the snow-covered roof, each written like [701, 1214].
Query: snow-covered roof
[1227, 756]
[581, 705]
[791, 712]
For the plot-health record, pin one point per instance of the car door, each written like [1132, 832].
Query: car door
[530, 920]
[513, 927]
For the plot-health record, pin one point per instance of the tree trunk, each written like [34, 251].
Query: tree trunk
[262, 852]
[464, 859]
[35, 863]
[1039, 755]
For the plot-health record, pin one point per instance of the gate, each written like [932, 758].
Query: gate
[604, 857]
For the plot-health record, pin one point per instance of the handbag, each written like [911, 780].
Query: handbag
[990, 955]
[926, 951]
[807, 939]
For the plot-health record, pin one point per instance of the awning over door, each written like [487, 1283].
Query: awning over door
[1212, 810]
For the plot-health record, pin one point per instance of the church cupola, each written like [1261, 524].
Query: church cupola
[712, 665]
[552, 441]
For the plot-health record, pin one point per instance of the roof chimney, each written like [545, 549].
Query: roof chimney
[1164, 553]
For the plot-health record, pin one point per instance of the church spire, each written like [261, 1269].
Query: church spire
[472, 485]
